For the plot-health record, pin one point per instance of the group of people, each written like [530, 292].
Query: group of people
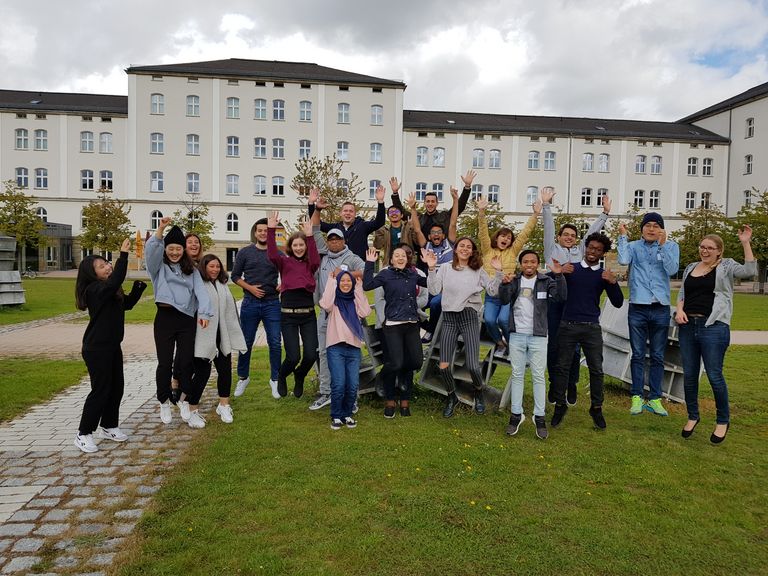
[543, 320]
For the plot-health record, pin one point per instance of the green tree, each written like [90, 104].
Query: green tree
[756, 215]
[468, 225]
[536, 239]
[698, 223]
[193, 219]
[106, 222]
[632, 220]
[335, 187]
[18, 218]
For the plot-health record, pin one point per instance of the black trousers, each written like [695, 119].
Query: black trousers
[402, 356]
[554, 317]
[291, 326]
[590, 337]
[174, 330]
[203, 373]
[102, 404]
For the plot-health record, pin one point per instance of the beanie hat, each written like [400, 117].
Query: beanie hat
[653, 217]
[175, 236]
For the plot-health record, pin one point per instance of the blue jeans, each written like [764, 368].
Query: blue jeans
[648, 324]
[496, 317]
[253, 311]
[344, 364]
[435, 308]
[709, 343]
[532, 349]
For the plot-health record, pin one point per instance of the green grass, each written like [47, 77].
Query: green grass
[278, 492]
[25, 382]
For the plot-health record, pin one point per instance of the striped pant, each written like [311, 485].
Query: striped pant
[467, 324]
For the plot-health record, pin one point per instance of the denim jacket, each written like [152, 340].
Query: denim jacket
[555, 289]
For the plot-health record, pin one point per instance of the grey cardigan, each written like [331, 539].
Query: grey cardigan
[224, 320]
[726, 271]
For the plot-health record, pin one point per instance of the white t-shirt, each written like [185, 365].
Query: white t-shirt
[523, 309]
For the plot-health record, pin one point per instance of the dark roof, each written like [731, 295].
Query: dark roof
[750, 95]
[98, 104]
[266, 70]
[554, 125]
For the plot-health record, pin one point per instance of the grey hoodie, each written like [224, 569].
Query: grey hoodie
[329, 261]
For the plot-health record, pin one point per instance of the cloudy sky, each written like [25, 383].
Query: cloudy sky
[643, 59]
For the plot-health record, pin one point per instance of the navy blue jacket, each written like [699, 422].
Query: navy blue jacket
[399, 291]
[356, 236]
[555, 290]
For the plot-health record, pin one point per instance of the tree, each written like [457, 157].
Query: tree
[698, 223]
[193, 219]
[756, 215]
[468, 225]
[536, 239]
[18, 217]
[632, 220]
[327, 175]
[106, 222]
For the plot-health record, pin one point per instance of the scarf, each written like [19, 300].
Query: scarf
[345, 302]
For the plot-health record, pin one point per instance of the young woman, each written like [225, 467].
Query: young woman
[345, 303]
[461, 283]
[704, 308]
[400, 323]
[297, 269]
[216, 342]
[98, 289]
[179, 295]
[193, 247]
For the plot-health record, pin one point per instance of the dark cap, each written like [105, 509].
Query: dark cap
[175, 236]
[653, 217]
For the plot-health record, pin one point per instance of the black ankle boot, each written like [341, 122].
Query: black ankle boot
[450, 405]
[479, 402]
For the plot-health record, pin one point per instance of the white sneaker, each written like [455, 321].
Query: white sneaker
[225, 411]
[196, 420]
[275, 393]
[112, 434]
[242, 384]
[184, 410]
[165, 412]
[85, 443]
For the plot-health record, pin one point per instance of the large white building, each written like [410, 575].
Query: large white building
[227, 133]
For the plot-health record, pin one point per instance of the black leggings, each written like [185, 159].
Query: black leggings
[291, 325]
[173, 330]
[402, 355]
[203, 373]
[105, 368]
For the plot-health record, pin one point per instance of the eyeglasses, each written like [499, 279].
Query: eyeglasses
[708, 248]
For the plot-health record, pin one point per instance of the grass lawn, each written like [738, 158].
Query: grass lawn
[25, 382]
[278, 492]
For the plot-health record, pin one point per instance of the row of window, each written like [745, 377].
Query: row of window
[87, 178]
[157, 184]
[87, 140]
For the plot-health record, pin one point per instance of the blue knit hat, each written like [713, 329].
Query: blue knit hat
[653, 217]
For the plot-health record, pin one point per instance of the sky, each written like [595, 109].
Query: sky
[632, 59]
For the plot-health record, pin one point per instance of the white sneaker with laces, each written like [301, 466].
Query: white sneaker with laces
[184, 410]
[275, 393]
[112, 434]
[85, 443]
[196, 420]
[225, 411]
[165, 412]
[242, 384]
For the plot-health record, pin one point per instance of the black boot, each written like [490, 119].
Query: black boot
[450, 405]
[479, 402]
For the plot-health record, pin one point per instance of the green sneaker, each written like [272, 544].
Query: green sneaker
[656, 407]
[637, 405]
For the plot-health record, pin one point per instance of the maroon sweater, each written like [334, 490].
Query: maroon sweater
[294, 274]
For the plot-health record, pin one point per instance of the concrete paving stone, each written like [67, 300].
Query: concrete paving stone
[93, 528]
[120, 461]
[20, 564]
[142, 502]
[121, 452]
[57, 515]
[111, 470]
[4, 544]
[157, 480]
[48, 480]
[100, 480]
[86, 515]
[73, 470]
[43, 502]
[90, 574]
[66, 544]
[102, 559]
[123, 529]
[144, 490]
[111, 501]
[149, 452]
[73, 480]
[66, 561]
[16, 529]
[131, 513]
[82, 490]
[133, 469]
[15, 482]
[28, 545]
[93, 462]
[25, 515]
[112, 543]
[16, 471]
[54, 491]
[113, 490]
[45, 470]
[80, 502]
[51, 529]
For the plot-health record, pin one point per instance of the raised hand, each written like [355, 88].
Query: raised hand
[622, 229]
[556, 267]
[314, 194]
[609, 276]
[607, 204]
[481, 203]
[272, 219]
[537, 206]
[394, 185]
[468, 178]
[321, 203]
[411, 201]
[454, 193]
[380, 192]
[745, 234]
[662, 237]
[547, 194]
[306, 227]
[429, 257]
[371, 255]
[164, 221]
[496, 263]
[126, 245]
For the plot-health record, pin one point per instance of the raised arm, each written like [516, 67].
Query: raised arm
[749, 268]
[522, 238]
[415, 223]
[396, 201]
[482, 226]
[468, 178]
[599, 222]
[670, 254]
[454, 216]
[154, 249]
[547, 195]
[317, 233]
[624, 248]
[381, 212]
[272, 253]
[313, 256]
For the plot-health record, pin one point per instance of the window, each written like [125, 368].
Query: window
[105, 143]
[42, 213]
[156, 183]
[193, 145]
[706, 167]
[421, 155]
[156, 143]
[372, 185]
[375, 153]
[343, 184]
[86, 141]
[587, 163]
[493, 193]
[278, 148]
[750, 128]
[705, 199]
[693, 164]
[233, 146]
[654, 199]
[604, 163]
[748, 164]
[278, 110]
[437, 188]
[690, 200]
[494, 159]
[41, 177]
[156, 104]
[421, 191]
[601, 193]
[106, 180]
[84, 224]
[260, 109]
[655, 164]
[478, 158]
[305, 148]
[747, 198]
[342, 151]
[259, 147]
[639, 201]
[233, 184]
[86, 180]
[22, 177]
[193, 105]
[22, 139]
[259, 185]
[640, 164]
[477, 191]
[343, 113]
[232, 222]
[154, 219]
[438, 157]
[233, 107]
[41, 139]
[51, 255]
[533, 160]
[305, 111]
[586, 196]
[278, 186]
[550, 160]
[377, 115]
[193, 183]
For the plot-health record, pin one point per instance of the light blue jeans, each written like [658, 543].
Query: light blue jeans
[496, 317]
[533, 350]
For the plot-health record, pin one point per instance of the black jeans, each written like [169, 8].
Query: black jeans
[590, 337]
[105, 368]
[203, 373]
[402, 356]
[554, 317]
[293, 325]
[173, 330]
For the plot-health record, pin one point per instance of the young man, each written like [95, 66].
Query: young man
[257, 276]
[400, 229]
[580, 325]
[568, 250]
[432, 215]
[652, 260]
[530, 294]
